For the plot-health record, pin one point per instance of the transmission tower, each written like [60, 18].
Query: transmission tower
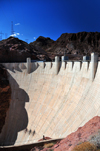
[1, 35]
[5, 35]
[26, 40]
[12, 30]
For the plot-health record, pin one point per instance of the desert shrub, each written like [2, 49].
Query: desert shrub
[48, 145]
[85, 146]
[95, 139]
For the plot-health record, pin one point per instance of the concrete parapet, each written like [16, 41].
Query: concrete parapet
[94, 62]
[63, 65]
[43, 65]
[9, 66]
[70, 66]
[50, 65]
[85, 66]
[34, 66]
[16, 66]
[57, 63]
[22, 66]
[28, 65]
[62, 59]
[77, 66]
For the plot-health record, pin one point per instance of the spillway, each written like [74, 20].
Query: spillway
[49, 98]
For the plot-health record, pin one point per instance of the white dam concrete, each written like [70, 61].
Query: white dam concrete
[44, 102]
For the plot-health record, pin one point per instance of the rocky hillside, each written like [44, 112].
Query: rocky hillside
[43, 43]
[84, 138]
[75, 45]
[90, 132]
[78, 43]
[15, 50]
[82, 43]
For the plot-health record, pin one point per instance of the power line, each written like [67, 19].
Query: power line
[26, 40]
[6, 35]
[12, 30]
[1, 35]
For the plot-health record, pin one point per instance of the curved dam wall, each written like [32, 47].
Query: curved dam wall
[50, 99]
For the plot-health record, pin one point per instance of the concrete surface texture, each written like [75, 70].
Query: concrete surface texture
[50, 102]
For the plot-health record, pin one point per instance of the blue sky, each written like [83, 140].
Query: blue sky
[48, 18]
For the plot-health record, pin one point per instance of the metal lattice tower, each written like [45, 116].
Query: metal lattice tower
[1, 35]
[5, 35]
[12, 30]
[26, 40]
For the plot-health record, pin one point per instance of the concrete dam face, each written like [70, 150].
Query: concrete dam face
[51, 99]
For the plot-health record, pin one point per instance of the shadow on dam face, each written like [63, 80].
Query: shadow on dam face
[49, 103]
[17, 118]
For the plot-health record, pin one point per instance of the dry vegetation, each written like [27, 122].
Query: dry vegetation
[48, 145]
[86, 146]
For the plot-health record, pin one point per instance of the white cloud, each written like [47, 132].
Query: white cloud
[17, 24]
[34, 37]
[18, 33]
[15, 34]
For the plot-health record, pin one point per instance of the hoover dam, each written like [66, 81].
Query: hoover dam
[52, 99]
